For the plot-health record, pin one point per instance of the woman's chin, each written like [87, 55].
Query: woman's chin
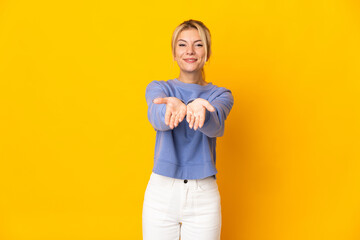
[191, 70]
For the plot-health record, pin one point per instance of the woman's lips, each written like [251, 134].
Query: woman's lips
[190, 60]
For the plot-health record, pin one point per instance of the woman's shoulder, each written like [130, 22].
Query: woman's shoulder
[160, 85]
[221, 89]
[161, 82]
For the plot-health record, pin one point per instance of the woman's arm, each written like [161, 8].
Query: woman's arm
[162, 113]
[214, 123]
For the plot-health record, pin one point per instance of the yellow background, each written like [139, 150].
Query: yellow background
[76, 147]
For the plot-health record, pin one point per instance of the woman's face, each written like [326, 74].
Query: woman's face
[189, 51]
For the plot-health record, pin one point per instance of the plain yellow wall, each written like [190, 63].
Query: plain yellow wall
[77, 149]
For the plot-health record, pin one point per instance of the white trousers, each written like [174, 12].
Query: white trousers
[174, 209]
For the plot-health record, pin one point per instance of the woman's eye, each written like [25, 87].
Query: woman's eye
[181, 45]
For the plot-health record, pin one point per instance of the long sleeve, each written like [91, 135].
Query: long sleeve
[156, 112]
[214, 123]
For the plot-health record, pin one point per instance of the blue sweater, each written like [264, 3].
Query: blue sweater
[182, 152]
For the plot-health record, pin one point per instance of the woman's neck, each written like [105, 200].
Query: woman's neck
[195, 78]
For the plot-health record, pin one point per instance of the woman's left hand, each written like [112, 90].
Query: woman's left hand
[195, 112]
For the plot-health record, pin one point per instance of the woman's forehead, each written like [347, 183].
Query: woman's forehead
[189, 35]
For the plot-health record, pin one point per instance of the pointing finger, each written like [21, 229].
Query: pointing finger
[160, 100]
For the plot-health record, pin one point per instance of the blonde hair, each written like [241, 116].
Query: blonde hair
[203, 32]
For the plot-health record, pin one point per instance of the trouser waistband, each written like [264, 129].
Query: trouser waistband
[169, 181]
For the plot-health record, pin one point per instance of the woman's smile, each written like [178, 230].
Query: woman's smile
[190, 60]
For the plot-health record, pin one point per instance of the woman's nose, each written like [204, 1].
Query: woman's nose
[190, 50]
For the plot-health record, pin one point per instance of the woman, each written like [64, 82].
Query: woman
[182, 196]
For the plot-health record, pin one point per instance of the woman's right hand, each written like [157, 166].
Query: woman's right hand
[175, 110]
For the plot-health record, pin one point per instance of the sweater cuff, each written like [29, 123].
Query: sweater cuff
[190, 100]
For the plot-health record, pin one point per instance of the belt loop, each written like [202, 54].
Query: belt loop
[197, 184]
[173, 182]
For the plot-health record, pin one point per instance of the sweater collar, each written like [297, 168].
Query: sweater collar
[192, 85]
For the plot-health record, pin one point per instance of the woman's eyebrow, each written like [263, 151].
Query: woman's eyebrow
[185, 40]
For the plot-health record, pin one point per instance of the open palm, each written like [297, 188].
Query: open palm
[175, 110]
[195, 112]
